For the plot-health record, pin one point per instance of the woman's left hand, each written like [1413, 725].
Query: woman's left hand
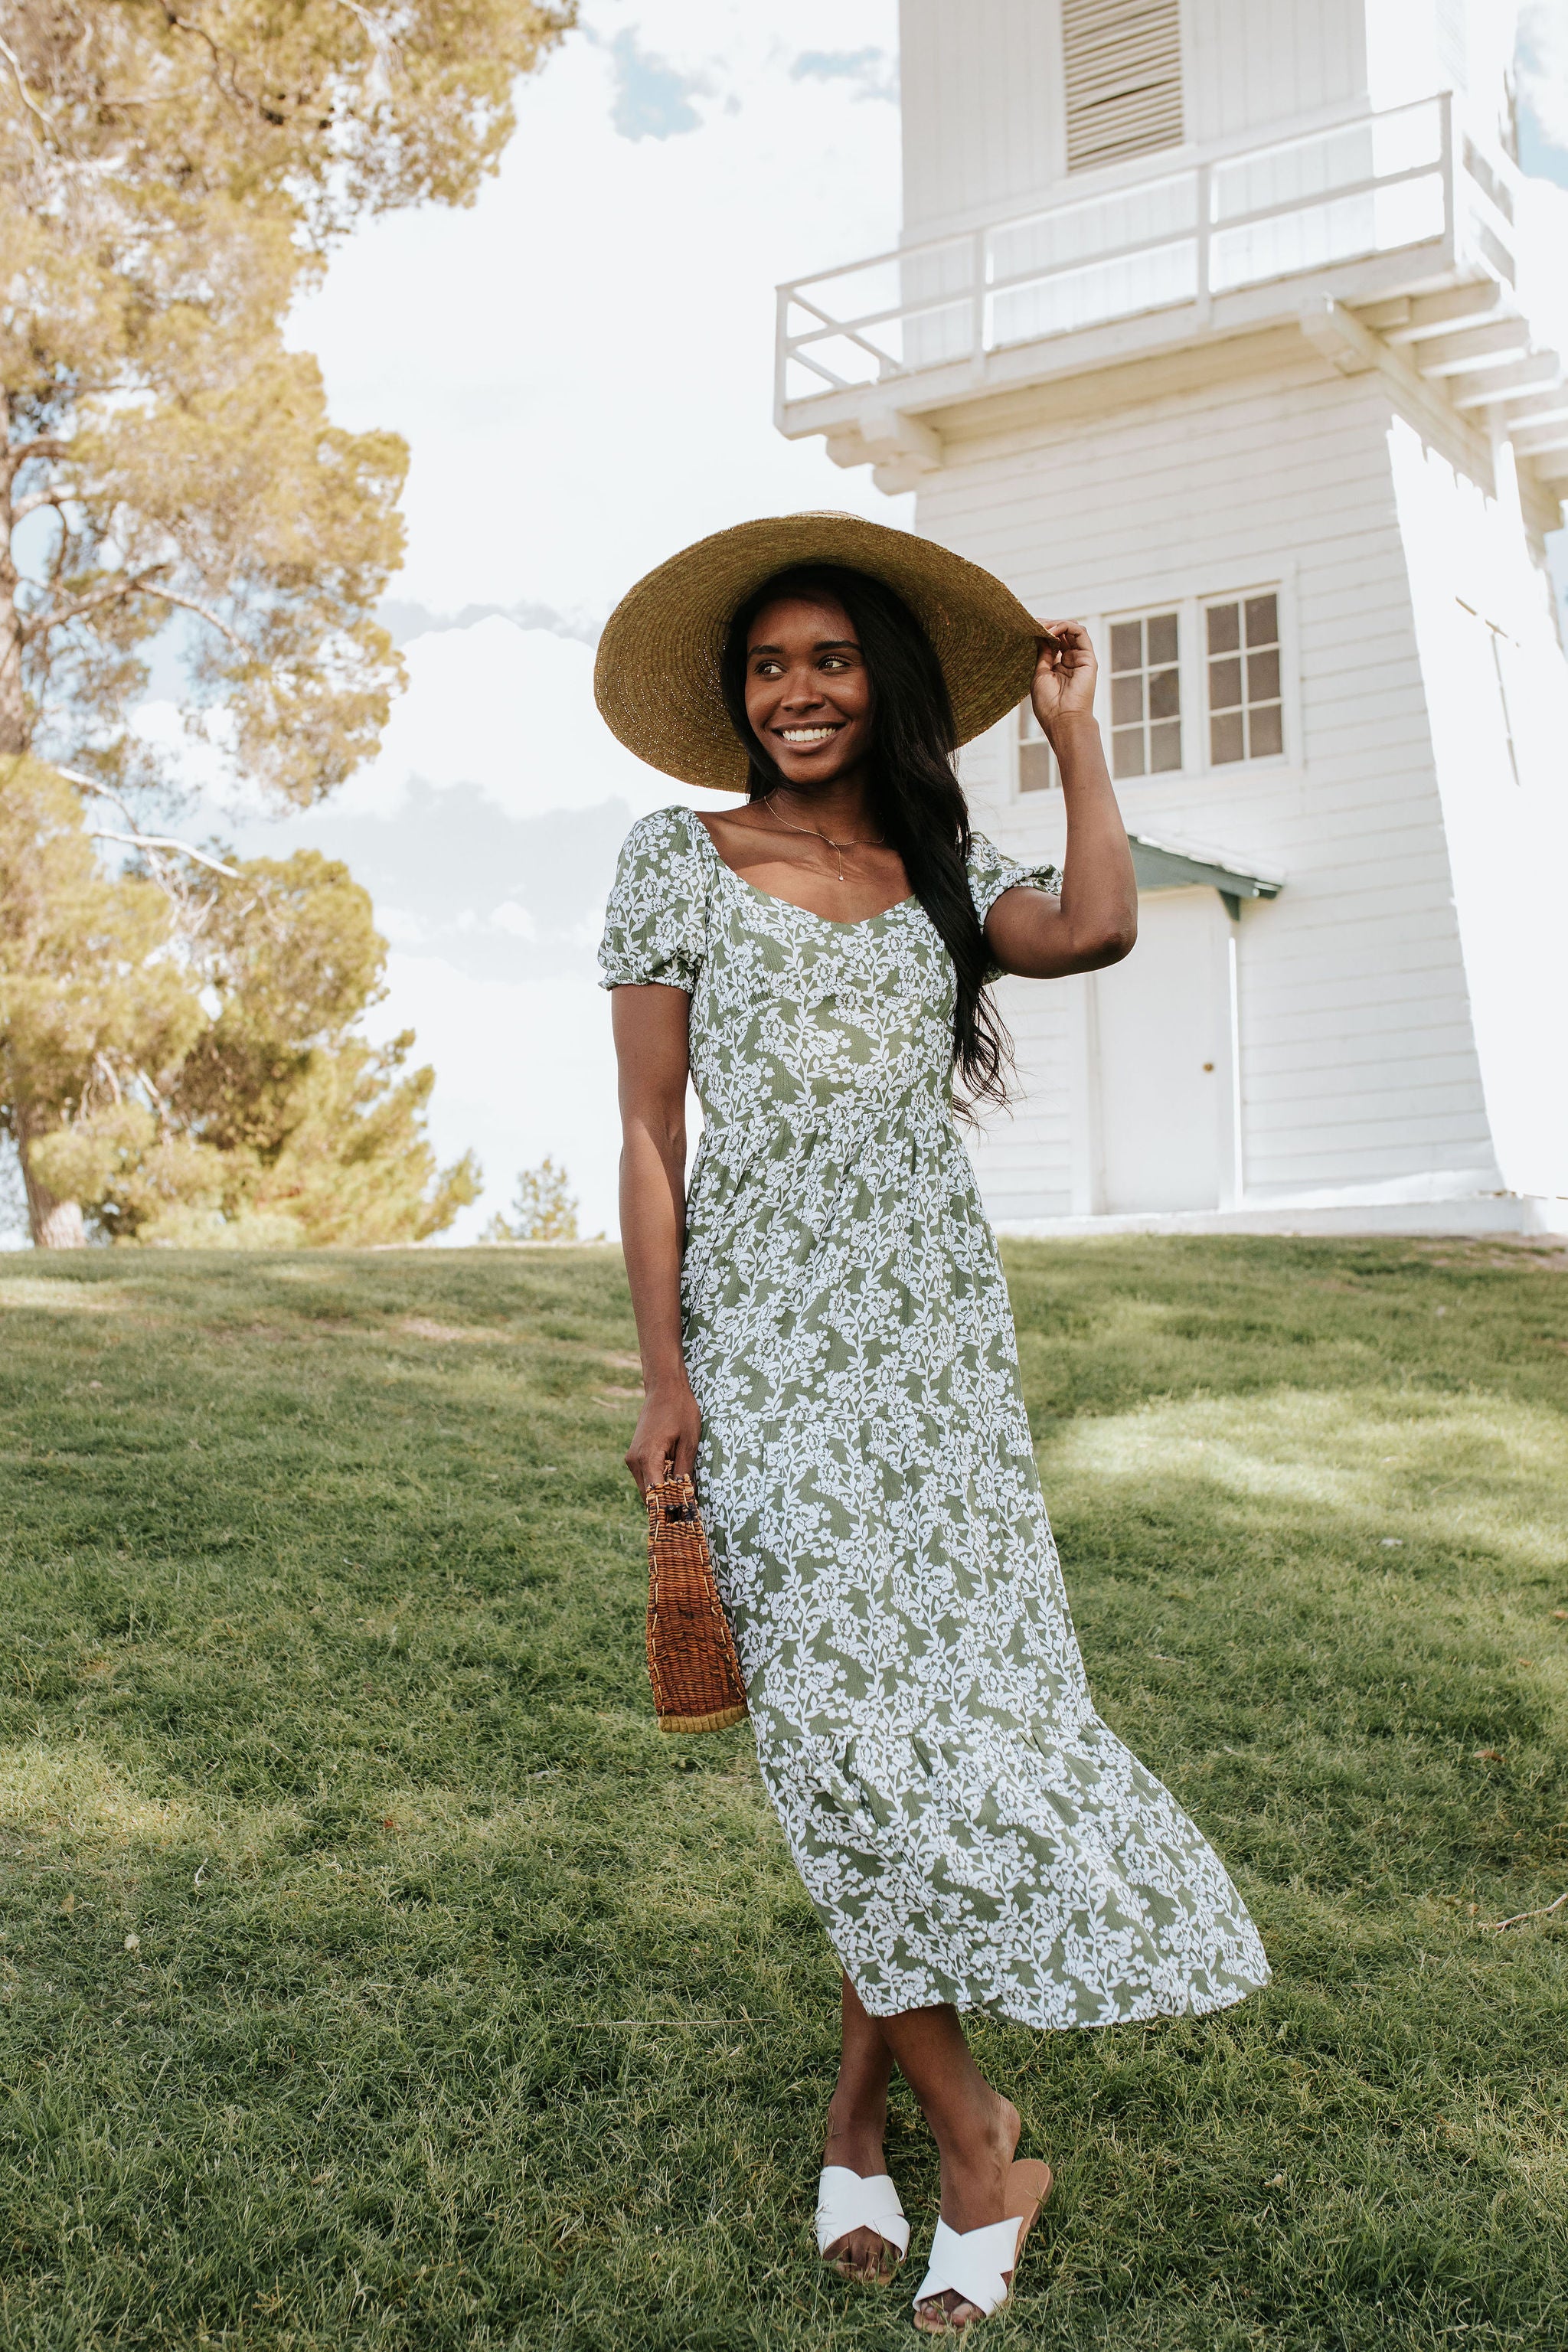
[1065, 675]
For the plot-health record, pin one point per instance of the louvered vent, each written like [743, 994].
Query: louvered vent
[1123, 62]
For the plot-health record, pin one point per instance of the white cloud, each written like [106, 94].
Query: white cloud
[508, 709]
[1542, 66]
[515, 921]
[396, 924]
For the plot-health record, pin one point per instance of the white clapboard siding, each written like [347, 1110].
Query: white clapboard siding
[1253, 65]
[1121, 78]
[987, 113]
[1507, 839]
[1359, 1064]
[1026, 1154]
[981, 92]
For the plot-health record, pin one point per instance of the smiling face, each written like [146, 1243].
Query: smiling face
[808, 692]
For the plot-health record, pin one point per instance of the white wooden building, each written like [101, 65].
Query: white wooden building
[1227, 326]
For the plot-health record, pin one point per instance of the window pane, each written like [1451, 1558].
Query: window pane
[1126, 698]
[1162, 637]
[1165, 746]
[1224, 684]
[1263, 675]
[1262, 620]
[1037, 769]
[1127, 751]
[1165, 693]
[1224, 634]
[1224, 739]
[1264, 732]
[1126, 645]
[1028, 725]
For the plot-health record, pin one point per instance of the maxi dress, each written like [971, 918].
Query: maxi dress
[967, 1828]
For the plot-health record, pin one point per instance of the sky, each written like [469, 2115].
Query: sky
[582, 365]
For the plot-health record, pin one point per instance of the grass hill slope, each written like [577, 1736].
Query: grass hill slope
[373, 1974]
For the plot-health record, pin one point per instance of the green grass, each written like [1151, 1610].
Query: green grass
[373, 1974]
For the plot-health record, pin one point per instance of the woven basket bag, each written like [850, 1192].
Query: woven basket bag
[692, 1660]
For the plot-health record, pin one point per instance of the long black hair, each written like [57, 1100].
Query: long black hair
[917, 802]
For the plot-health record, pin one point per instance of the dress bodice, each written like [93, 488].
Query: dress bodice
[792, 1015]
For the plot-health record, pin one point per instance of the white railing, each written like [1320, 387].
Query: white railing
[1374, 184]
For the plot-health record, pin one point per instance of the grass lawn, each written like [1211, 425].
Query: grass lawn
[373, 1974]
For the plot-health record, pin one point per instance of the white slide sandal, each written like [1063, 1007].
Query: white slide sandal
[845, 2202]
[975, 2263]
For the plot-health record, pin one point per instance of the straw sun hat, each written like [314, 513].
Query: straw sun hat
[657, 678]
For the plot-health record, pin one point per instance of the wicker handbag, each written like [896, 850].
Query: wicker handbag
[692, 1660]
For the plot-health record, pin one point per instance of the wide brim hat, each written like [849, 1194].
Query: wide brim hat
[656, 679]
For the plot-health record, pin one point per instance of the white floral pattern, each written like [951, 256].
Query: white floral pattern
[966, 1826]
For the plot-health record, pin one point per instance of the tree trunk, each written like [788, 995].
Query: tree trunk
[62, 1228]
[54, 1224]
[12, 701]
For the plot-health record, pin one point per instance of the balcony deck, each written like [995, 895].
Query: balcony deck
[1393, 217]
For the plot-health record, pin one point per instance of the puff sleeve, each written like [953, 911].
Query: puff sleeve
[991, 872]
[656, 925]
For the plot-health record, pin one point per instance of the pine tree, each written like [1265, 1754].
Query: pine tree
[96, 1015]
[544, 1209]
[170, 177]
[198, 1070]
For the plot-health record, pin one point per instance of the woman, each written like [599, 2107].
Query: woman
[826, 1340]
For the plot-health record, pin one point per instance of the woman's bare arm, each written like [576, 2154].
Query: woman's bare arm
[652, 1050]
[1095, 920]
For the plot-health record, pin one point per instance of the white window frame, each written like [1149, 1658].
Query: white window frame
[1279, 580]
[1238, 596]
[1030, 794]
[1152, 608]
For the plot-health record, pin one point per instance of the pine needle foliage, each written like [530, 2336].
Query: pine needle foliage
[544, 1208]
[170, 177]
[169, 1064]
[375, 1976]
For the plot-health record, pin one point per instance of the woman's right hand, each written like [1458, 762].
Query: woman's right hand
[669, 1427]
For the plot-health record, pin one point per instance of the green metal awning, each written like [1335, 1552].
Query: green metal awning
[1159, 866]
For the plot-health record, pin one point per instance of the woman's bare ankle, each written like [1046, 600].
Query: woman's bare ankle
[854, 2136]
[976, 2158]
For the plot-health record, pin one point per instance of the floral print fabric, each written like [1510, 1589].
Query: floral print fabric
[966, 1826]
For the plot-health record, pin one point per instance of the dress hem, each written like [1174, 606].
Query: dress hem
[1147, 2012]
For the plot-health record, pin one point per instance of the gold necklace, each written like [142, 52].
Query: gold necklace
[837, 847]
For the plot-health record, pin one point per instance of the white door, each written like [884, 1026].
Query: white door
[1162, 1054]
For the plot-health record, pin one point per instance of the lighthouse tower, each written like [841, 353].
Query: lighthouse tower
[1228, 326]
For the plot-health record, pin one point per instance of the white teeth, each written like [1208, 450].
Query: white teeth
[807, 734]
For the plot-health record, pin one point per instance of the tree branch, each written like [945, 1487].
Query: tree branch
[161, 841]
[117, 591]
[35, 499]
[202, 611]
[134, 583]
[24, 93]
[384, 48]
[16, 454]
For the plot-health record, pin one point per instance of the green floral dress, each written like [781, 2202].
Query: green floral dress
[966, 1826]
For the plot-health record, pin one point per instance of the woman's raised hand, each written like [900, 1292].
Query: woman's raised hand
[669, 1427]
[1064, 674]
